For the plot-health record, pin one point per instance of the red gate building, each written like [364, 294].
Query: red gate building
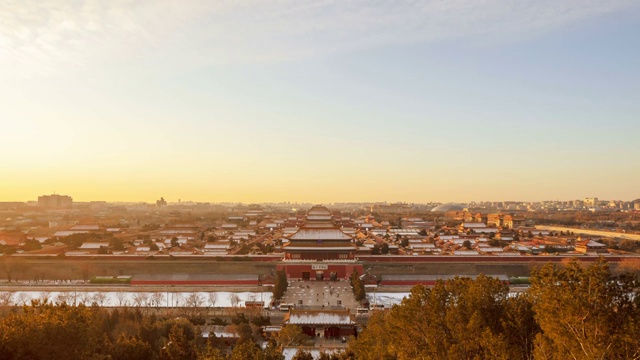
[320, 250]
[323, 323]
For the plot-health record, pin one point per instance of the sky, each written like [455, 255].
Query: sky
[320, 100]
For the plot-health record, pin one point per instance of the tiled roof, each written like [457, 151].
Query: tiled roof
[319, 248]
[319, 234]
[474, 225]
[93, 245]
[67, 233]
[319, 217]
[217, 246]
[304, 317]
[85, 227]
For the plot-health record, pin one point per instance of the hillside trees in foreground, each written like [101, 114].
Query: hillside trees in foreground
[586, 313]
[459, 319]
[61, 331]
[570, 312]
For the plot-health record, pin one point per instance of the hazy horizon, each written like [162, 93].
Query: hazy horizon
[322, 102]
[176, 201]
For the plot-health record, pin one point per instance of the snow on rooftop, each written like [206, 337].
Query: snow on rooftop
[217, 246]
[465, 252]
[592, 243]
[492, 249]
[321, 248]
[290, 353]
[404, 231]
[319, 217]
[93, 245]
[474, 225]
[422, 245]
[175, 231]
[485, 229]
[85, 227]
[68, 233]
[320, 234]
[320, 318]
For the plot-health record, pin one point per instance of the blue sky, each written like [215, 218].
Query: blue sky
[321, 101]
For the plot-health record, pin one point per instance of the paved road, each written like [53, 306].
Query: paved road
[320, 293]
[609, 234]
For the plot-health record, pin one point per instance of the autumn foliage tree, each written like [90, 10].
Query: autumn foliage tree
[571, 311]
[45, 331]
[459, 319]
[130, 348]
[357, 286]
[586, 313]
[290, 335]
[281, 284]
[61, 331]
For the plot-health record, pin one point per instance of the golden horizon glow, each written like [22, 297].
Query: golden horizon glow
[253, 102]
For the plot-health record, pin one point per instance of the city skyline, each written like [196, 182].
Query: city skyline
[320, 102]
[294, 202]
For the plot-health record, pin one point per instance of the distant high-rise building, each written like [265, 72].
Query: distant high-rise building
[55, 201]
[591, 202]
[161, 202]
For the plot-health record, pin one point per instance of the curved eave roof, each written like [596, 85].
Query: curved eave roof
[319, 234]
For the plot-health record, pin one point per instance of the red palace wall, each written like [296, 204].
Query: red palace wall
[518, 259]
[294, 271]
[411, 282]
[194, 282]
[328, 331]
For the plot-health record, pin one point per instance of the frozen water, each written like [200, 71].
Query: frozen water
[137, 298]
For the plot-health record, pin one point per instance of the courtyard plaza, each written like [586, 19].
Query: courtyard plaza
[320, 294]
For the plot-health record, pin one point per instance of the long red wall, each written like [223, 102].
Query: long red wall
[239, 258]
[412, 282]
[195, 282]
[485, 258]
